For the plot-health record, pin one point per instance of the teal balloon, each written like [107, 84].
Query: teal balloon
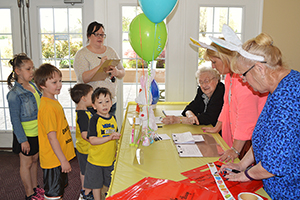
[147, 39]
[157, 10]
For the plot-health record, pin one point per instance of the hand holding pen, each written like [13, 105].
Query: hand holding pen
[232, 172]
[112, 72]
[109, 71]
[230, 168]
[102, 59]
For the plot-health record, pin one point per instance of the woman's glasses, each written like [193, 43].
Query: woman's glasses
[99, 35]
[206, 81]
[245, 73]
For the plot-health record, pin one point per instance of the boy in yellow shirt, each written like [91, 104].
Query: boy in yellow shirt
[81, 94]
[55, 141]
[102, 152]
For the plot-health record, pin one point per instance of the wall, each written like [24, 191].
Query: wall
[281, 21]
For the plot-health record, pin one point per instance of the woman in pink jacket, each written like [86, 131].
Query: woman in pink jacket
[241, 109]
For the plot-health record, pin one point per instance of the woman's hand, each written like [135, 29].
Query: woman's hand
[240, 177]
[210, 129]
[191, 117]
[214, 129]
[228, 155]
[103, 59]
[170, 120]
[113, 71]
[25, 146]
[225, 170]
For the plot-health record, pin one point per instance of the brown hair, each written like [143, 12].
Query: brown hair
[79, 90]
[98, 91]
[43, 73]
[90, 30]
[17, 62]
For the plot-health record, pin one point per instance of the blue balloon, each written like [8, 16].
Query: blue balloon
[157, 10]
[155, 92]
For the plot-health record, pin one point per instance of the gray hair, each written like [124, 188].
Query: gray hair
[210, 70]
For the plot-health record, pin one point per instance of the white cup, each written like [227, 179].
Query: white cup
[248, 196]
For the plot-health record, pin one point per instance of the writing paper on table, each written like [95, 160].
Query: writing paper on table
[188, 150]
[176, 113]
[186, 138]
[101, 74]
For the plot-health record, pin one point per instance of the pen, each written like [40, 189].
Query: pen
[164, 113]
[232, 170]
[99, 57]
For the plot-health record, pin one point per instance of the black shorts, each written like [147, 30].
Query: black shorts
[55, 182]
[97, 176]
[82, 160]
[33, 142]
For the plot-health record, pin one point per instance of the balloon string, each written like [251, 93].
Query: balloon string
[141, 47]
[143, 74]
[141, 43]
[154, 43]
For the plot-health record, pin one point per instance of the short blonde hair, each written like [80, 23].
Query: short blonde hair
[213, 72]
[261, 45]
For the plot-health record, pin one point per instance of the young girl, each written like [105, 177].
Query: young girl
[23, 100]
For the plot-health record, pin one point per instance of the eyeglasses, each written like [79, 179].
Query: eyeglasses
[99, 35]
[245, 73]
[207, 81]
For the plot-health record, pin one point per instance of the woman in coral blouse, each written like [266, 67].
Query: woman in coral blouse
[242, 105]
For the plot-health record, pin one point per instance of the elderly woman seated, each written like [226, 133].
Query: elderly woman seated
[207, 105]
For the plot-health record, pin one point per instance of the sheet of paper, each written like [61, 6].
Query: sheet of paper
[188, 150]
[183, 138]
[172, 112]
[164, 136]
[198, 138]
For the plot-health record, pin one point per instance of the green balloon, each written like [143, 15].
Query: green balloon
[147, 38]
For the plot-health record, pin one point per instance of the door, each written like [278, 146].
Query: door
[48, 31]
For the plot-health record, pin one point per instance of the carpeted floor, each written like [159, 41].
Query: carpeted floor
[11, 187]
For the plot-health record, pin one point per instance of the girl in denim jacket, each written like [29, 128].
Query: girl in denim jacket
[23, 100]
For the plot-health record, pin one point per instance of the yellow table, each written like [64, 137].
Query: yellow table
[160, 159]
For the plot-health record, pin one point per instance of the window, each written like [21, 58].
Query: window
[61, 38]
[6, 52]
[60, 33]
[133, 63]
[211, 20]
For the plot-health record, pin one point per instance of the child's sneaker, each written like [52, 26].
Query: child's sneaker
[90, 196]
[37, 196]
[82, 194]
[39, 190]
[34, 196]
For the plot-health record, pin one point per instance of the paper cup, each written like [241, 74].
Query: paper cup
[248, 196]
